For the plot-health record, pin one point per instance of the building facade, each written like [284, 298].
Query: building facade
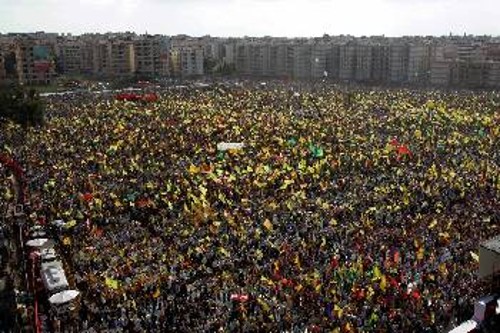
[186, 62]
[442, 61]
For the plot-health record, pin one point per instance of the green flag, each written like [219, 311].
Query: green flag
[220, 155]
[316, 151]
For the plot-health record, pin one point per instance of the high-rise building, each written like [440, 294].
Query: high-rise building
[347, 61]
[186, 62]
[333, 60]
[70, 57]
[34, 62]
[419, 63]
[493, 80]
[303, 61]
[398, 63]
[151, 56]
[121, 57]
[318, 60]
[258, 57]
[229, 55]
[277, 60]
[445, 61]
[243, 59]
[364, 62]
[441, 72]
[381, 60]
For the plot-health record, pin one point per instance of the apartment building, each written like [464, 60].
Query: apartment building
[363, 63]
[333, 60]
[419, 63]
[441, 72]
[398, 63]
[278, 65]
[493, 80]
[347, 61]
[186, 62]
[88, 57]
[34, 62]
[100, 57]
[229, 54]
[318, 60]
[303, 61]
[472, 74]
[445, 61]
[381, 56]
[121, 58]
[242, 62]
[151, 54]
[259, 60]
[71, 56]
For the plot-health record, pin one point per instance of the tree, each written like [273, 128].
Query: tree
[21, 105]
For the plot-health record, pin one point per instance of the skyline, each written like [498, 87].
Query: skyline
[256, 18]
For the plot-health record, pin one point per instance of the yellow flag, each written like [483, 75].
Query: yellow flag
[266, 281]
[286, 183]
[67, 240]
[111, 283]
[418, 134]
[157, 293]
[70, 224]
[338, 310]
[420, 253]
[376, 272]
[223, 251]
[383, 283]
[263, 304]
[193, 169]
[268, 225]
[442, 268]
[296, 261]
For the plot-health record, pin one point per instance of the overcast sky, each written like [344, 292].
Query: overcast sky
[290, 18]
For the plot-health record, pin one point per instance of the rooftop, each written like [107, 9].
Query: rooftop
[493, 244]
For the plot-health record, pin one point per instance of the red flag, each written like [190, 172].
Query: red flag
[88, 197]
[396, 257]
[404, 151]
[141, 203]
[394, 142]
[334, 263]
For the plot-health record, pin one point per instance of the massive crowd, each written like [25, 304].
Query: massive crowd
[343, 212]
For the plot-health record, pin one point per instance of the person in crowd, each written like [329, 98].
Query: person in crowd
[355, 217]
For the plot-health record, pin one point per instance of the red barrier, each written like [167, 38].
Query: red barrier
[35, 297]
[132, 97]
[18, 172]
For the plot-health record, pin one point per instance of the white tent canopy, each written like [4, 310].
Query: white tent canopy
[53, 276]
[64, 296]
[38, 242]
[58, 223]
[38, 234]
[465, 327]
[48, 254]
[222, 146]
